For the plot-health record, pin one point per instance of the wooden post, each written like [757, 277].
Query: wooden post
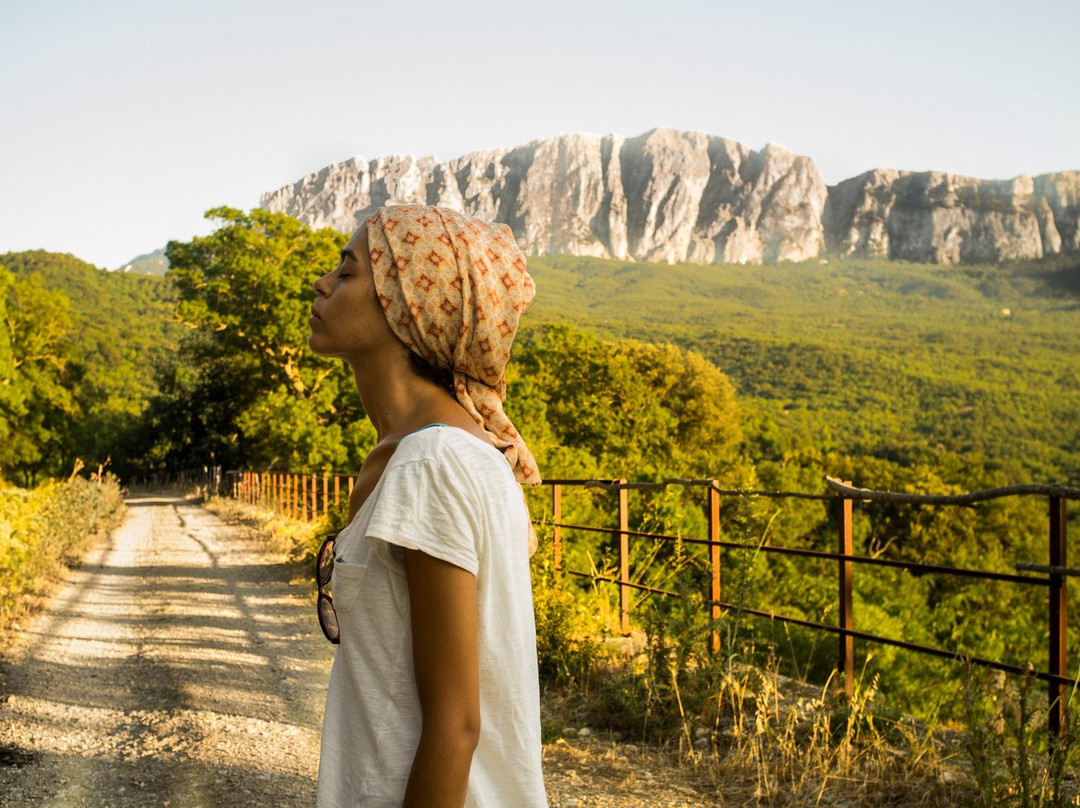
[337, 489]
[314, 497]
[714, 562]
[352, 482]
[556, 519]
[1058, 616]
[294, 481]
[624, 559]
[845, 664]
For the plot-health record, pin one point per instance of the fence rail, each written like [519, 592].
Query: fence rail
[1052, 576]
[306, 497]
[309, 496]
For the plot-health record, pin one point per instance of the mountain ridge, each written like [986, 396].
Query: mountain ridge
[672, 196]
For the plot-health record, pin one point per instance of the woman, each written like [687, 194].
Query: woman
[433, 697]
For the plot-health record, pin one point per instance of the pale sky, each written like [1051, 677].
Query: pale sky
[121, 122]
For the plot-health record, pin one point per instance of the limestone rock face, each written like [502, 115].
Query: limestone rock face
[662, 196]
[1058, 210]
[946, 218]
[686, 196]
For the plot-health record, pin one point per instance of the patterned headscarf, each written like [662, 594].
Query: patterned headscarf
[453, 289]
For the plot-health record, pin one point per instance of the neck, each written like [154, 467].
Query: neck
[397, 401]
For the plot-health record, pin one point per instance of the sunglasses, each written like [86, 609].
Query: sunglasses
[324, 569]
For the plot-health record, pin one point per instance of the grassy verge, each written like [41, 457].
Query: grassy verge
[741, 728]
[46, 527]
[296, 541]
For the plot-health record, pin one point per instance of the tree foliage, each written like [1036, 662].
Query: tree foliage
[35, 403]
[116, 330]
[245, 291]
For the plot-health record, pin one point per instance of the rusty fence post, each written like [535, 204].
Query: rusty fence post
[1058, 616]
[714, 562]
[624, 558]
[845, 664]
[556, 534]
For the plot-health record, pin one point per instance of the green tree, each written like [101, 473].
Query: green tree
[35, 403]
[245, 291]
[621, 408]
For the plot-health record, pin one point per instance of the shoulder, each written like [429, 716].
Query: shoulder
[452, 449]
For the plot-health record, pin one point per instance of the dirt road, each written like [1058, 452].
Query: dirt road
[176, 667]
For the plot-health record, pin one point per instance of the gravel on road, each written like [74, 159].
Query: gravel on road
[175, 666]
[181, 665]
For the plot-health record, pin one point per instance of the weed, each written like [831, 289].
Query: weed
[43, 528]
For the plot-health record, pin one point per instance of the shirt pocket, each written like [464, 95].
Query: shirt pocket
[346, 581]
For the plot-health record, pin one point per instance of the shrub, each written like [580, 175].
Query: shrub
[43, 528]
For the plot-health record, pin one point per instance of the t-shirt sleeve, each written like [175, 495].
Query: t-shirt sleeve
[423, 507]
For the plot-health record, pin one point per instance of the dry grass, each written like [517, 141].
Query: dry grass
[43, 529]
[769, 741]
[292, 540]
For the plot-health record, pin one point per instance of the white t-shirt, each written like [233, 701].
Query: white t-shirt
[452, 496]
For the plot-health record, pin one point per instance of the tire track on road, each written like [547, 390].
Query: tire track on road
[176, 666]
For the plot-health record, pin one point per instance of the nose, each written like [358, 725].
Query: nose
[320, 286]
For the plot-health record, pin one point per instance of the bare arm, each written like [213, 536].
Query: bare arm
[447, 668]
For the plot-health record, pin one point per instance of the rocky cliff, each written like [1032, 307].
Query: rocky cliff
[686, 196]
[944, 218]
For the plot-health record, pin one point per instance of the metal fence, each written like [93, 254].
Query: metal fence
[300, 496]
[1052, 576]
[310, 496]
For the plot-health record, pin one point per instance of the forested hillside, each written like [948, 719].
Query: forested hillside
[82, 351]
[898, 361]
[863, 357]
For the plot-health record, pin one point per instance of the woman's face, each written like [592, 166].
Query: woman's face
[347, 320]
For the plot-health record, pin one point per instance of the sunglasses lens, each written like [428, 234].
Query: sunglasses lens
[325, 566]
[328, 619]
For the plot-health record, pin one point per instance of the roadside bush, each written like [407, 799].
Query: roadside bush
[46, 527]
